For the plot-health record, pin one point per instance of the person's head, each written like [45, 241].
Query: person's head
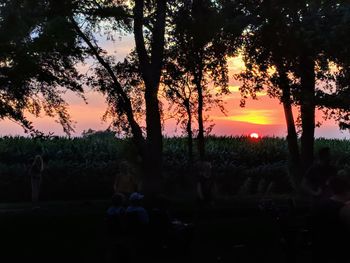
[340, 185]
[324, 155]
[118, 199]
[136, 199]
[204, 169]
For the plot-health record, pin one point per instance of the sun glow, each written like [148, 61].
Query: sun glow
[254, 135]
[262, 117]
[236, 63]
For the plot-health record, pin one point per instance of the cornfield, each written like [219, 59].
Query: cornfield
[85, 167]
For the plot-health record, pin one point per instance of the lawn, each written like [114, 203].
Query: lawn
[73, 231]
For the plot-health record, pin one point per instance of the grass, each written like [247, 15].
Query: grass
[72, 231]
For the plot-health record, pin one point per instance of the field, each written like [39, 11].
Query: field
[77, 186]
[84, 168]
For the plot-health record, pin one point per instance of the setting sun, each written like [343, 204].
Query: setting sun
[254, 135]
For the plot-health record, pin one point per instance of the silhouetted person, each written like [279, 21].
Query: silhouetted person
[116, 213]
[160, 220]
[117, 251]
[330, 223]
[35, 172]
[136, 214]
[159, 225]
[125, 182]
[167, 234]
[137, 221]
[205, 184]
[315, 182]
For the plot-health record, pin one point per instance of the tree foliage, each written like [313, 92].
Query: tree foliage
[196, 73]
[291, 48]
[38, 57]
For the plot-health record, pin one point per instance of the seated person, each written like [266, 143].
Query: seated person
[116, 249]
[115, 215]
[315, 182]
[117, 208]
[167, 233]
[136, 215]
[331, 221]
[160, 221]
[137, 222]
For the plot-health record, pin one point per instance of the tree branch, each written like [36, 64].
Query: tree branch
[126, 103]
[158, 36]
[333, 101]
[139, 38]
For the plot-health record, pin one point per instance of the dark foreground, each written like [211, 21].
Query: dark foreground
[232, 232]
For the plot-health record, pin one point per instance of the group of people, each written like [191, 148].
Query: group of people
[127, 201]
[206, 189]
[125, 218]
[139, 224]
[328, 189]
[133, 210]
[137, 228]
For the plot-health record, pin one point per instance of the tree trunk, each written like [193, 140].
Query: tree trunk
[200, 136]
[189, 132]
[153, 157]
[151, 67]
[292, 137]
[308, 83]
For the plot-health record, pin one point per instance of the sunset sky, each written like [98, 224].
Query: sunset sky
[263, 116]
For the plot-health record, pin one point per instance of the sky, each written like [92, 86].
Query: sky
[263, 116]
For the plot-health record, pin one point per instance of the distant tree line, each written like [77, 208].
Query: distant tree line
[296, 50]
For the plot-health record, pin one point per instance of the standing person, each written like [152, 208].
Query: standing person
[315, 182]
[331, 223]
[205, 184]
[125, 182]
[35, 171]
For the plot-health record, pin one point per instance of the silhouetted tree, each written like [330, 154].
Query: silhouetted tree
[198, 52]
[148, 28]
[53, 36]
[288, 49]
[182, 102]
[150, 54]
[38, 57]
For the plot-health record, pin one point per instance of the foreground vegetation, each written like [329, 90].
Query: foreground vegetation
[84, 168]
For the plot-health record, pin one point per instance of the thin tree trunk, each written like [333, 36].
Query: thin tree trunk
[308, 84]
[200, 136]
[189, 131]
[292, 137]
